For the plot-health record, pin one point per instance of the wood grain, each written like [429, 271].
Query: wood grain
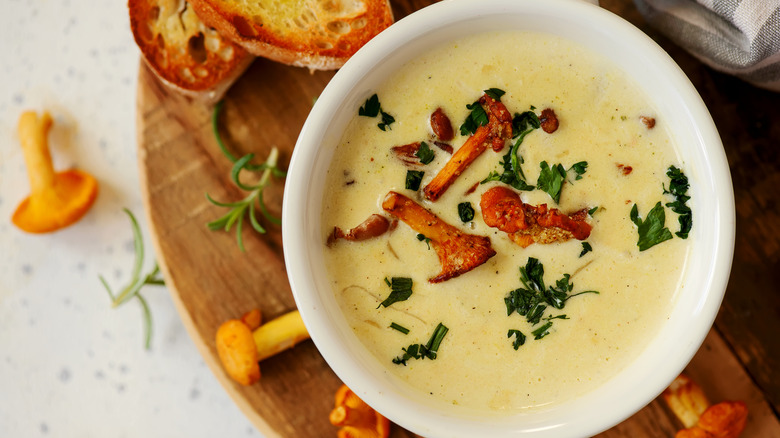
[212, 281]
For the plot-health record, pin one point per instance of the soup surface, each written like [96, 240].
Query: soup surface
[602, 117]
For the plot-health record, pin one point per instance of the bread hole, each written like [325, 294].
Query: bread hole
[324, 45]
[359, 23]
[338, 27]
[196, 49]
[243, 27]
[154, 13]
[147, 31]
[299, 23]
[344, 46]
[160, 42]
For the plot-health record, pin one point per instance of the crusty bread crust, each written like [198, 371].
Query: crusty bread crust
[184, 53]
[319, 35]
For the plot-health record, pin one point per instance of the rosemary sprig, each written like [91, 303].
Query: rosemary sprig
[133, 289]
[245, 207]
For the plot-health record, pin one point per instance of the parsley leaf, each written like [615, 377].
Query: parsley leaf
[466, 212]
[586, 248]
[422, 238]
[678, 187]
[400, 290]
[510, 177]
[579, 169]
[593, 210]
[400, 328]
[495, 93]
[542, 331]
[387, 120]
[551, 180]
[652, 230]
[519, 338]
[419, 351]
[371, 107]
[476, 118]
[424, 153]
[413, 179]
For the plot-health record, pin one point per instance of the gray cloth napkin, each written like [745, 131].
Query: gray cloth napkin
[739, 37]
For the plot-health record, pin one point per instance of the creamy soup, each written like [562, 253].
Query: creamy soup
[601, 113]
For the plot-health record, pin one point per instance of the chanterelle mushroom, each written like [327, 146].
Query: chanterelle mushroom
[240, 349]
[356, 418]
[687, 400]
[56, 199]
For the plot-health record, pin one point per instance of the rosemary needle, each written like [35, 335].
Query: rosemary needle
[243, 208]
[133, 288]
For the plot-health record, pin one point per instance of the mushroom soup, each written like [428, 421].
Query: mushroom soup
[477, 330]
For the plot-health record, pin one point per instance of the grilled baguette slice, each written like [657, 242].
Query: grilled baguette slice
[317, 34]
[182, 51]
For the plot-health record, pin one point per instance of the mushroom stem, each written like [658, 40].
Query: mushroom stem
[33, 135]
[279, 334]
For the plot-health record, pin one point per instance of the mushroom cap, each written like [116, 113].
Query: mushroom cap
[237, 352]
[71, 196]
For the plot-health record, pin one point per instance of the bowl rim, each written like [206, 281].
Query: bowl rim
[298, 238]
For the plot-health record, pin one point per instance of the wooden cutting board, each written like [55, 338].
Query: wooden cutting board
[212, 281]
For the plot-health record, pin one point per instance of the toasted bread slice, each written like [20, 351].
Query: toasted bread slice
[182, 51]
[317, 34]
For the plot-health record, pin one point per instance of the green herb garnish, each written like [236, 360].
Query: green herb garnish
[422, 238]
[551, 180]
[586, 248]
[400, 290]
[413, 179]
[133, 289]
[652, 230]
[593, 210]
[533, 299]
[542, 331]
[579, 168]
[400, 328]
[424, 153]
[466, 212]
[239, 208]
[476, 118]
[519, 338]
[373, 108]
[510, 174]
[419, 351]
[495, 93]
[678, 187]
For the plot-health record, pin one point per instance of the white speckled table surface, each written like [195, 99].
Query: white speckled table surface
[70, 365]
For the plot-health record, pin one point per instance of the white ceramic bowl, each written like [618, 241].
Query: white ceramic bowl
[700, 148]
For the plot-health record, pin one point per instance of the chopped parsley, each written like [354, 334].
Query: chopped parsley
[373, 108]
[678, 187]
[413, 179]
[519, 338]
[586, 248]
[422, 238]
[495, 93]
[419, 351]
[533, 299]
[551, 180]
[652, 230]
[510, 175]
[400, 290]
[399, 327]
[466, 212]
[593, 210]
[424, 153]
[476, 118]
